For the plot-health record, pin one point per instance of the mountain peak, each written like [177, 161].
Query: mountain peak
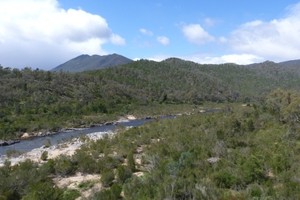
[86, 62]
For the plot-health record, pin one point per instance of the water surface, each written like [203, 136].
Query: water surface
[28, 145]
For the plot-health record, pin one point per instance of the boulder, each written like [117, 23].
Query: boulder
[213, 160]
[25, 136]
[130, 117]
[8, 142]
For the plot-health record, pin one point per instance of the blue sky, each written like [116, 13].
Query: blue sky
[46, 33]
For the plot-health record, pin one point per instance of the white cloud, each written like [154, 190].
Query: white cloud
[276, 40]
[117, 40]
[39, 33]
[163, 40]
[157, 58]
[196, 34]
[241, 59]
[146, 32]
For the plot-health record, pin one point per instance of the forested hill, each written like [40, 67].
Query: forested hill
[32, 100]
[249, 80]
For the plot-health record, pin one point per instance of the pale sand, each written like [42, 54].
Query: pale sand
[72, 182]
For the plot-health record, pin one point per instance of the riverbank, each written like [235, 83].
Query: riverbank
[69, 148]
[66, 148]
[39, 126]
[45, 133]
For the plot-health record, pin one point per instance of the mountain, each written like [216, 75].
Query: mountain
[94, 62]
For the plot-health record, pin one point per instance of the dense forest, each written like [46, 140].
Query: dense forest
[36, 100]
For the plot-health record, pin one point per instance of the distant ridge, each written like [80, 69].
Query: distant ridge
[94, 62]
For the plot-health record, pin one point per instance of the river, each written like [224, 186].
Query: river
[37, 142]
[30, 144]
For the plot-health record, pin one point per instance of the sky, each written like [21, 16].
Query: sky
[45, 33]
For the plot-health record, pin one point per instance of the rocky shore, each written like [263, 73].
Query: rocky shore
[8, 142]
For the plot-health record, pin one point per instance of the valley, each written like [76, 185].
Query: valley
[247, 149]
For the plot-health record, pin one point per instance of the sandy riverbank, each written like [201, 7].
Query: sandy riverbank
[66, 148]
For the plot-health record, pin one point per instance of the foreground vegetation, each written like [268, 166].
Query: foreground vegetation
[247, 152]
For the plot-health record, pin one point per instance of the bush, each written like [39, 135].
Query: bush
[255, 191]
[253, 169]
[43, 190]
[64, 166]
[47, 143]
[105, 195]
[116, 190]
[86, 185]
[123, 173]
[48, 167]
[225, 179]
[107, 178]
[70, 194]
[85, 162]
[131, 163]
[44, 155]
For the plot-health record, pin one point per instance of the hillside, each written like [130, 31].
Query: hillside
[33, 100]
[293, 65]
[94, 62]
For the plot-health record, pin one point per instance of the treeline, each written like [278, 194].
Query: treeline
[33, 100]
[247, 152]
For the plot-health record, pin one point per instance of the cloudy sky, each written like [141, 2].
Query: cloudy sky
[45, 33]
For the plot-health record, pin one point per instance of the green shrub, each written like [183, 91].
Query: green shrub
[104, 195]
[130, 162]
[43, 190]
[116, 190]
[86, 185]
[44, 155]
[48, 167]
[64, 166]
[47, 143]
[70, 194]
[107, 178]
[225, 179]
[253, 169]
[255, 191]
[85, 162]
[123, 173]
